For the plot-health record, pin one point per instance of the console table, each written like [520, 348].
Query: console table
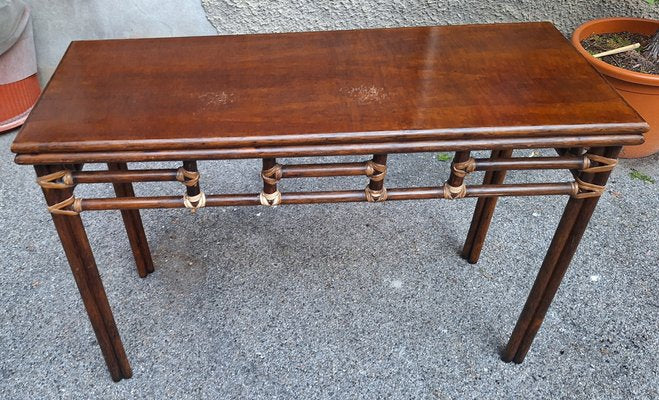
[360, 93]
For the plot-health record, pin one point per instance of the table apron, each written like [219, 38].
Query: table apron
[332, 150]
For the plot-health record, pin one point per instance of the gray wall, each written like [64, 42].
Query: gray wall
[57, 22]
[242, 16]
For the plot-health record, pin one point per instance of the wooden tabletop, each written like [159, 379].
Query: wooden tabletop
[402, 84]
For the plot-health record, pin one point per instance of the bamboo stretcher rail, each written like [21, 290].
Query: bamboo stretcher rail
[220, 200]
[328, 169]
[571, 151]
[323, 170]
[161, 175]
[124, 176]
[500, 164]
[375, 169]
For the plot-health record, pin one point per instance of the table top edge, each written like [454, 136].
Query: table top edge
[201, 143]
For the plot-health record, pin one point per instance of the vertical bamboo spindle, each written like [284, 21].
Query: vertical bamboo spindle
[194, 197]
[454, 187]
[271, 174]
[193, 190]
[376, 171]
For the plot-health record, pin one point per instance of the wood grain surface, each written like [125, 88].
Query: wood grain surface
[361, 86]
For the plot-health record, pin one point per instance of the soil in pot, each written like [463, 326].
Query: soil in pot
[634, 60]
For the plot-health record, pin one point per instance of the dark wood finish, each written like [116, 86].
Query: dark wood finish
[133, 224]
[497, 164]
[561, 250]
[364, 92]
[247, 199]
[453, 179]
[193, 190]
[268, 163]
[480, 222]
[429, 193]
[124, 176]
[333, 150]
[83, 266]
[575, 151]
[159, 175]
[322, 170]
[377, 185]
[363, 86]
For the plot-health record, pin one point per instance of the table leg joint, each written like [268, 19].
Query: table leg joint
[62, 179]
[69, 206]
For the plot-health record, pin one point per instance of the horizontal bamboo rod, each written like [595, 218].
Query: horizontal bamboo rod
[324, 170]
[498, 164]
[219, 200]
[144, 175]
[321, 170]
[131, 203]
[568, 152]
[331, 150]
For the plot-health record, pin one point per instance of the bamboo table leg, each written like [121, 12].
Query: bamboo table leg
[483, 213]
[133, 224]
[81, 260]
[563, 246]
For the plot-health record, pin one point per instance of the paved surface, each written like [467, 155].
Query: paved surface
[337, 302]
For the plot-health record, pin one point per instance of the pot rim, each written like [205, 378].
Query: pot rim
[608, 69]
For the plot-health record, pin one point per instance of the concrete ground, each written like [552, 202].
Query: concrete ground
[336, 301]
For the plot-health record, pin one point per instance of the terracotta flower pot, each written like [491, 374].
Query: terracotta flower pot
[16, 101]
[19, 85]
[640, 90]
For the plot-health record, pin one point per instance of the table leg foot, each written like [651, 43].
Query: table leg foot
[480, 222]
[81, 260]
[133, 225]
[563, 246]
[551, 270]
